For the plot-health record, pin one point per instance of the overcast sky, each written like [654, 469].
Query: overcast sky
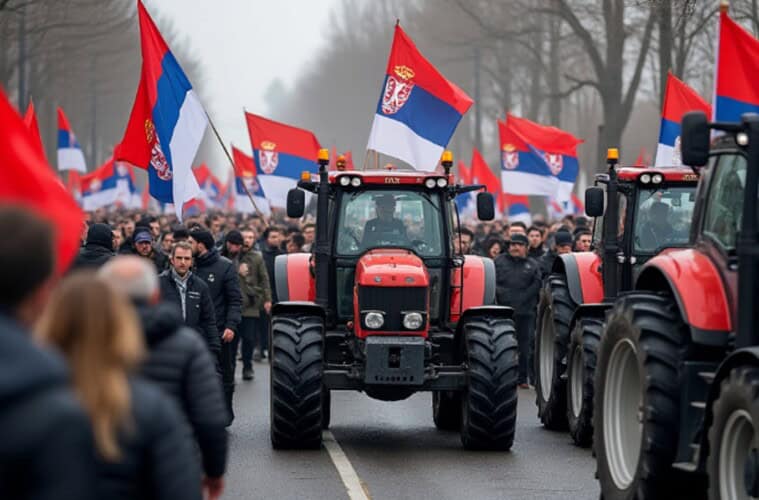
[242, 46]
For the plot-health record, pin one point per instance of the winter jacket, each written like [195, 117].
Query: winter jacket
[546, 263]
[158, 460]
[179, 362]
[221, 277]
[269, 254]
[254, 288]
[98, 250]
[45, 437]
[517, 282]
[199, 310]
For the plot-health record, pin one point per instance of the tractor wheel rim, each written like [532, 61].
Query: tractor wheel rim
[622, 420]
[575, 380]
[546, 354]
[737, 438]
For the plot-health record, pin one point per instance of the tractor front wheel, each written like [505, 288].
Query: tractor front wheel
[446, 410]
[733, 462]
[581, 368]
[296, 396]
[489, 403]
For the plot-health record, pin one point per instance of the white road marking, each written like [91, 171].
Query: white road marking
[352, 482]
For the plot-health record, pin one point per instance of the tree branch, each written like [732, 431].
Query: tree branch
[629, 99]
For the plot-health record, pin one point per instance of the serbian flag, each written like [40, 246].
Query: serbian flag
[167, 122]
[518, 208]
[280, 152]
[481, 174]
[110, 184]
[30, 120]
[74, 185]
[211, 188]
[678, 100]
[418, 110]
[465, 202]
[736, 91]
[70, 156]
[537, 159]
[572, 206]
[28, 181]
[245, 177]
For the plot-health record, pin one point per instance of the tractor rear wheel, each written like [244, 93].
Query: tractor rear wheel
[296, 395]
[446, 410]
[551, 341]
[733, 462]
[326, 408]
[581, 368]
[636, 411]
[489, 404]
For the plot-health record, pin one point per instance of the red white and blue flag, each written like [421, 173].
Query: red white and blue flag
[70, 156]
[481, 174]
[465, 202]
[573, 206]
[280, 152]
[167, 122]
[418, 110]
[736, 90]
[517, 208]
[110, 184]
[245, 177]
[212, 190]
[537, 159]
[678, 100]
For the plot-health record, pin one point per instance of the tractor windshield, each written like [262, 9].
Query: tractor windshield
[389, 218]
[662, 218]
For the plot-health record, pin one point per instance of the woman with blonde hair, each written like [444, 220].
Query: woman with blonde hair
[142, 443]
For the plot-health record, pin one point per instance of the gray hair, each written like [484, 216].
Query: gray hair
[131, 275]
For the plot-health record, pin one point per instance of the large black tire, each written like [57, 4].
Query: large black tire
[555, 313]
[489, 404]
[581, 371]
[446, 410]
[736, 418]
[636, 412]
[326, 408]
[296, 392]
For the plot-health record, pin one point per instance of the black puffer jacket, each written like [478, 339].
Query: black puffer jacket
[158, 460]
[98, 250]
[45, 437]
[199, 307]
[221, 277]
[517, 283]
[179, 362]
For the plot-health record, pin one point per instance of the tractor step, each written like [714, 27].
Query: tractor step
[708, 377]
[685, 466]
[701, 405]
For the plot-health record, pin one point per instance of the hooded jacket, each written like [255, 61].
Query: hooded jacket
[37, 459]
[221, 277]
[179, 362]
[97, 250]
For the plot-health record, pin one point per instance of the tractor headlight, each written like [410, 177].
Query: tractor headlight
[356, 182]
[645, 178]
[657, 178]
[374, 320]
[345, 180]
[442, 182]
[413, 321]
[430, 183]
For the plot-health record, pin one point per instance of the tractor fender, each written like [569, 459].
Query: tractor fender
[489, 310]
[693, 280]
[479, 285]
[298, 307]
[582, 271]
[293, 278]
[590, 311]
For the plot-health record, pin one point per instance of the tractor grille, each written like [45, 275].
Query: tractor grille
[392, 301]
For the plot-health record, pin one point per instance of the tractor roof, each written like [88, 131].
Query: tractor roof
[385, 177]
[670, 174]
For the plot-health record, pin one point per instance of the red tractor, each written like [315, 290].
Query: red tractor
[677, 381]
[646, 210]
[384, 305]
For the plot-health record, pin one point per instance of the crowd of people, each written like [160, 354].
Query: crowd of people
[118, 379]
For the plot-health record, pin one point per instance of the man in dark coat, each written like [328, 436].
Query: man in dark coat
[46, 445]
[517, 286]
[562, 243]
[180, 287]
[179, 362]
[221, 277]
[98, 248]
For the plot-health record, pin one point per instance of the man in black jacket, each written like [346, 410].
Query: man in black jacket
[98, 248]
[221, 277]
[46, 446]
[190, 294]
[517, 286]
[178, 362]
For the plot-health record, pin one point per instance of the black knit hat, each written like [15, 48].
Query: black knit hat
[562, 238]
[203, 236]
[234, 237]
[101, 235]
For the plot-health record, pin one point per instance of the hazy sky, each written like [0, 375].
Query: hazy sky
[242, 45]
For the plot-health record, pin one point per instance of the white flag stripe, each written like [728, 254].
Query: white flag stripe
[71, 159]
[184, 144]
[514, 182]
[394, 138]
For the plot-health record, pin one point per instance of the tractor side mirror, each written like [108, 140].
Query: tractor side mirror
[296, 203]
[694, 141]
[594, 201]
[485, 206]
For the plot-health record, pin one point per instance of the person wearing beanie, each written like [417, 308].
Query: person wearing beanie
[518, 282]
[98, 248]
[562, 243]
[220, 274]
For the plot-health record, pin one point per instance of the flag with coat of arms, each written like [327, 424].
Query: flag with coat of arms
[246, 181]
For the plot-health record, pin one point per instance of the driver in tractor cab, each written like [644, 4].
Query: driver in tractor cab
[384, 228]
[658, 229]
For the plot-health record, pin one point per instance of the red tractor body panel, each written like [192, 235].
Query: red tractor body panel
[473, 294]
[301, 285]
[583, 274]
[698, 286]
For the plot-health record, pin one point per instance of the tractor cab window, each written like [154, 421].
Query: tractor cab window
[724, 208]
[387, 218]
[662, 218]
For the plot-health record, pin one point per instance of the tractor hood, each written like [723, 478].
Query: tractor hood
[391, 267]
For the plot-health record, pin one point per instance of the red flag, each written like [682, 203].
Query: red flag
[643, 158]
[349, 161]
[481, 174]
[30, 120]
[28, 181]
[465, 174]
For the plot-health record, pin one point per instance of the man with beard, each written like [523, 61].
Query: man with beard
[220, 275]
[143, 247]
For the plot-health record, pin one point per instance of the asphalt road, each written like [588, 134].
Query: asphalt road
[397, 453]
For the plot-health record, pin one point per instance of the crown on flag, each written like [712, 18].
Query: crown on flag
[404, 72]
[268, 145]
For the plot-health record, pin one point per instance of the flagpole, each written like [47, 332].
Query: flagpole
[232, 164]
